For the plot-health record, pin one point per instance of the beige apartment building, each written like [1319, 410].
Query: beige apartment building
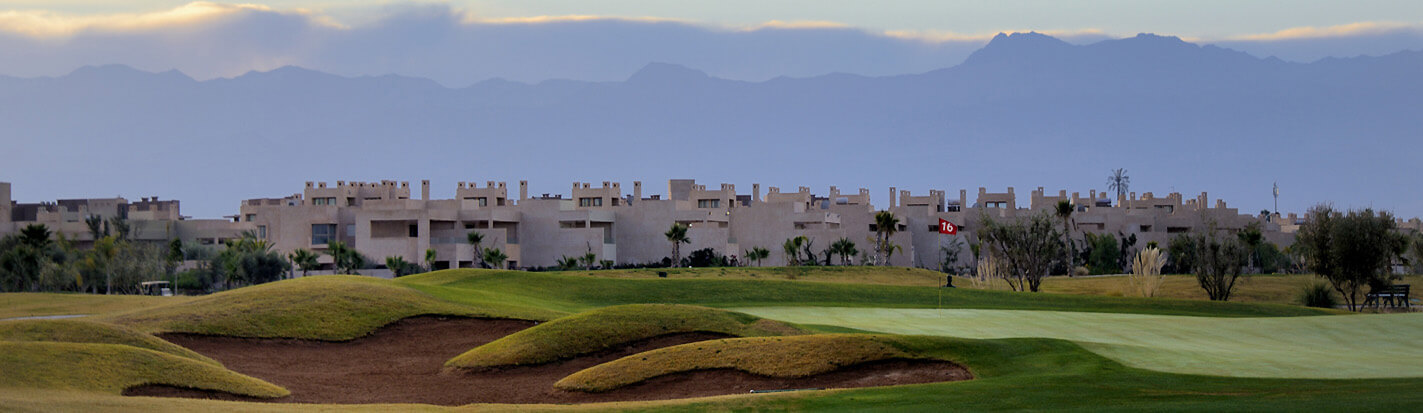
[382, 219]
[149, 219]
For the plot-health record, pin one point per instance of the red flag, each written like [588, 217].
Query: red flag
[946, 227]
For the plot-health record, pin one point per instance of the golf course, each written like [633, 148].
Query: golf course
[834, 338]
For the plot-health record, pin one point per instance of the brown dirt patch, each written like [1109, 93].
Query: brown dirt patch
[403, 363]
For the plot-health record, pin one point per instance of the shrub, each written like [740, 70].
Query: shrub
[1145, 277]
[1317, 295]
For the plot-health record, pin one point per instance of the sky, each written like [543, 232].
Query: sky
[461, 42]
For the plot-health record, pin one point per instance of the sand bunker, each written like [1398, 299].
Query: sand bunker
[403, 363]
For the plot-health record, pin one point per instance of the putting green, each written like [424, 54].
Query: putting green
[1334, 347]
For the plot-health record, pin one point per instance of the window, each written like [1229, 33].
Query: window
[350, 201]
[587, 202]
[350, 230]
[482, 201]
[999, 204]
[251, 217]
[414, 230]
[708, 203]
[262, 231]
[323, 201]
[322, 233]
[1169, 208]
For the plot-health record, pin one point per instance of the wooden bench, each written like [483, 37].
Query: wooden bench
[1393, 296]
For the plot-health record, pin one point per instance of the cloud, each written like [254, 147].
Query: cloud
[1306, 44]
[458, 47]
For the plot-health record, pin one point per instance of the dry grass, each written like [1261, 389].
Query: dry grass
[111, 368]
[76, 331]
[1274, 289]
[792, 356]
[600, 329]
[44, 304]
[834, 274]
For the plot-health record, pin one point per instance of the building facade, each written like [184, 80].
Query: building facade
[382, 219]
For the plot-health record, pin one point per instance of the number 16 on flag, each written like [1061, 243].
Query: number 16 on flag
[946, 227]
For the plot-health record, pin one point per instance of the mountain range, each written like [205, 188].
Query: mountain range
[1027, 110]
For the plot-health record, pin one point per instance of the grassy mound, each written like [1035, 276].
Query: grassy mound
[111, 368]
[331, 308]
[600, 329]
[574, 293]
[793, 356]
[74, 331]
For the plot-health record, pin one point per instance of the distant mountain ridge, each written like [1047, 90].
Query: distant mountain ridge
[1026, 110]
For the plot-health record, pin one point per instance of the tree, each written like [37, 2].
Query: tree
[1026, 248]
[1251, 236]
[304, 259]
[475, 238]
[757, 254]
[1064, 212]
[121, 227]
[886, 224]
[494, 257]
[791, 248]
[845, 249]
[677, 235]
[1120, 182]
[1218, 262]
[567, 263]
[96, 226]
[1352, 250]
[105, 250]
[1181, 254]
[588, 259]
[345, 258]
[1415, 249]
[431, 257]
[173, 258]
[399, 267]
[1103, 254]
[949, 264]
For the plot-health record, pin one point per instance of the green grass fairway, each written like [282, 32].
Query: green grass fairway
[1363, 346]
[1270, 288]
[574, 293]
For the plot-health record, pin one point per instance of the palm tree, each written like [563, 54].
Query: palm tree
[305, 259]
[96, 226]
[1064, 212]
[845, 249]
[475, 238]
[792, 248]
[567, 263]
[677, 235]
[174, 256]
[886, 224]
[36, 235]
[430, 257]
[397, 265]
[588, 260]
[495, 257]
[346, 258]
[105, 249]
[121, 226]
[757, 254]
[1119, 181]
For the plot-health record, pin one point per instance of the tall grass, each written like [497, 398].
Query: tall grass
[1146, 277]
